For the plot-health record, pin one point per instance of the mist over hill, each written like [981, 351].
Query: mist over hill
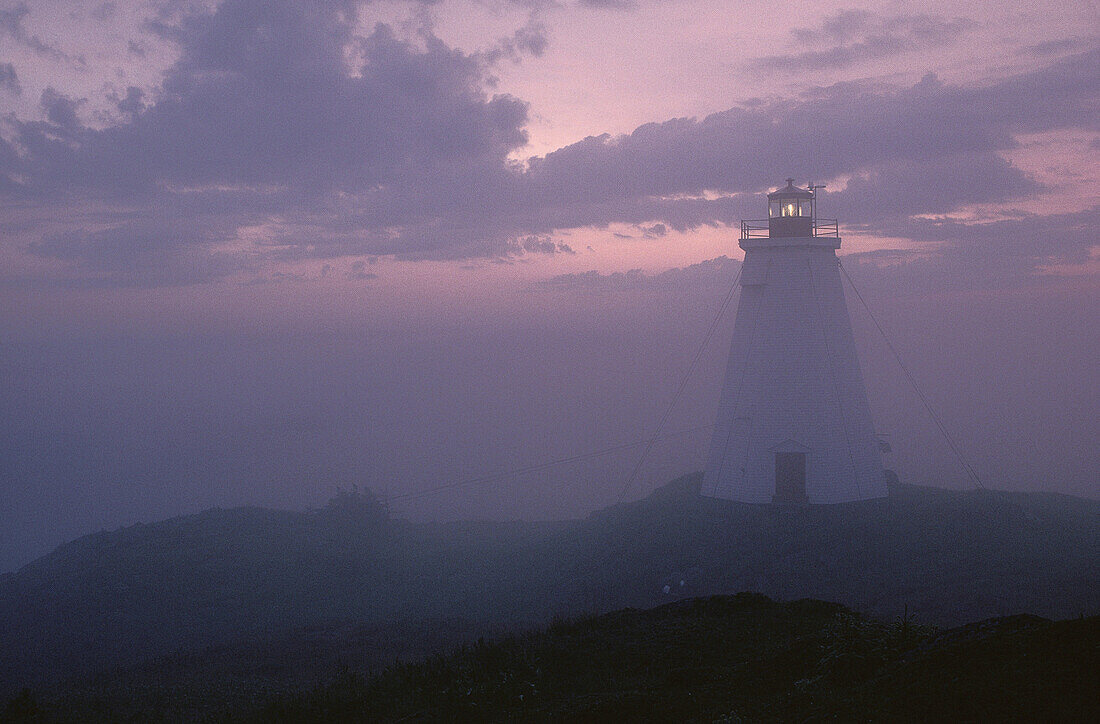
[943, 557]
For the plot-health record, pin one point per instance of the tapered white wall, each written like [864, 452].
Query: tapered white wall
[793, 382]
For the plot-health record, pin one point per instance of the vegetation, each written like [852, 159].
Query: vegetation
[356, 509]
[740, 658]
[721, 658]
[302, 584]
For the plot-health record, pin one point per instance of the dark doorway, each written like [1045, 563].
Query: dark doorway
[790, 478]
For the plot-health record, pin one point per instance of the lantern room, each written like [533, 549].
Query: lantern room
[790, 212]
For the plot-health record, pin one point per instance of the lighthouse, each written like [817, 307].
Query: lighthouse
[793, 425]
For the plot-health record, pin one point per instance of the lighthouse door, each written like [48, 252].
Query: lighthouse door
[790, 477]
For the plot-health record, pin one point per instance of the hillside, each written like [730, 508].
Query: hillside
[727, 658]
[740, 658]
[210, 579]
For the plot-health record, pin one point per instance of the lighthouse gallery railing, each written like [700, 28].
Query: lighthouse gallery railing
[758, 228]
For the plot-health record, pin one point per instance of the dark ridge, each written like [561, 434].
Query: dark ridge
[941, 557]
[721, 658]
[739, 658]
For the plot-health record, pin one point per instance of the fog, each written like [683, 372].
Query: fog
[109, 424]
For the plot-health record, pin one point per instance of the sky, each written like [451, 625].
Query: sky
[255, 250]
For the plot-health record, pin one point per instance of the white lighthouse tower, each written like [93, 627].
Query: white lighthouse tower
[793, 422]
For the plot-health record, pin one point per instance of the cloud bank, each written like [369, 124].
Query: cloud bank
[285, 118]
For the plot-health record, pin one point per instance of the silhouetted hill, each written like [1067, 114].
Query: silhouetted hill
[947, 557]
[723, 658]
[740, 658]
[195, 684]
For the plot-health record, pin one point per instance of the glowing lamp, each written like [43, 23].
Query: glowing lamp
[790, 212]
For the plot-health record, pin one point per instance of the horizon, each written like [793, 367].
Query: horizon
[253, 252]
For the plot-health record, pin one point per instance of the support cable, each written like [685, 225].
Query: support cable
[683, 384]
[913, 382]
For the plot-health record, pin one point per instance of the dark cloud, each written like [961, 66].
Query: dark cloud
[9, 80]
[927, 149]
[531, 39]
[263, 105]
[543, 245]
[706, 275]
[358, 270]
[853, 36]
[1060, 46]
[1032, 239]
[387, 146]
[840, 27]
[11, 24]
[132, 104]
[105, 11]
[262, 95]
[147, 251]
[901, 187]
[60, 109]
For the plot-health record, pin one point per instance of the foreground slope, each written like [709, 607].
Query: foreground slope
[721, 658]
[220, 576]
[738, 658]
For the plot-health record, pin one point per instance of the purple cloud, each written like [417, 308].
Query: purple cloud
[715, 274]
[854, 36]
[929, 148]
[262, 111]
[11, 24]
[9, 80]
[155, 250]
[60, 110]
[379, 145]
